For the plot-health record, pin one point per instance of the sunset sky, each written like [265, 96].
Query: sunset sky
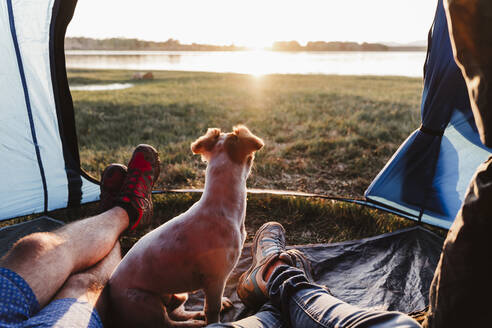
[254, 23]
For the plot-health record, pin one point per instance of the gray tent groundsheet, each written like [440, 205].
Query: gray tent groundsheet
[391, 271]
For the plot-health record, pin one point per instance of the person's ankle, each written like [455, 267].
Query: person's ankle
[122, 216]
[273, 266]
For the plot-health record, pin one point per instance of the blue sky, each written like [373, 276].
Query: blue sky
[255, 23]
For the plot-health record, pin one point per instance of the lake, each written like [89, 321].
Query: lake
[254, 62]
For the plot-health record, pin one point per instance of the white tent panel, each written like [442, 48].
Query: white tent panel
[90, 191]
[19, 170]
[32, 19]
[28, 112]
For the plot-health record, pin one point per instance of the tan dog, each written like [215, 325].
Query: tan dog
[197, 249]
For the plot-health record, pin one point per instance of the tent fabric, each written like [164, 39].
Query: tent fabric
[427, 178]
[40, 167]
[392, 271]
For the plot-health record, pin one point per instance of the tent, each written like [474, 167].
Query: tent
[40, 166]
[425, 180]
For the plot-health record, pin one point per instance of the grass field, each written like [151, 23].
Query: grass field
[328, 134]
[323, 134]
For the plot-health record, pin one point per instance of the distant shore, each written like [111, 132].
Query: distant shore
[122, 44]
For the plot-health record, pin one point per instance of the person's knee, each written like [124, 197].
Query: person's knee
[84, 282]
[82, 286]
[34, 245]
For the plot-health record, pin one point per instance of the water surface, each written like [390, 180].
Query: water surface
[254, 62]
[101, 87]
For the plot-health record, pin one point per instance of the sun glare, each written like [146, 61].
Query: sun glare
[256, 63]
[254, 23]
[254, 26]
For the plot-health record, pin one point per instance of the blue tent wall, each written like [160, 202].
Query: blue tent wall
[427, 178]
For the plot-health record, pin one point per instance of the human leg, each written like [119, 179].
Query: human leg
[305, 304]
[268, 316]
[82, 301]
[46, 260]
[283, 277]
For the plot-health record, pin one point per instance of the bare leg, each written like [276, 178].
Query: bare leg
[45, 260]
[88, 286]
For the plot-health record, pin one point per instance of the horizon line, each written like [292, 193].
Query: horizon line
[415, 43]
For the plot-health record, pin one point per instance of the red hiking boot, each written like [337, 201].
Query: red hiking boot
[111, 183]
[136, 193]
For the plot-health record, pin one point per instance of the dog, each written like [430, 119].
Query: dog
[195, 250]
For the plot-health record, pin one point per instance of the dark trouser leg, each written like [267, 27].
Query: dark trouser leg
[304, 304]
[296, 302]
[267, 317]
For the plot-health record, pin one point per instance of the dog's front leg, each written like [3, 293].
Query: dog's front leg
[176, 309]
[213, 301]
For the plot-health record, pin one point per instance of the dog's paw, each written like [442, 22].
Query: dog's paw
[180, 314]
[191, 324]
[199, 315]
[226, 304]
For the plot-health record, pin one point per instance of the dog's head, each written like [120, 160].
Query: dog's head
[239, 145]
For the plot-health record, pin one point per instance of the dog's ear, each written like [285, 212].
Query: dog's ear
[241, 144]
[205, 143]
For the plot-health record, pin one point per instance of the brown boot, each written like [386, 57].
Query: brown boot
[112, 180]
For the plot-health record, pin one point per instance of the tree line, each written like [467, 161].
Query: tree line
[83, 43]
[340, 46]
[328, 46]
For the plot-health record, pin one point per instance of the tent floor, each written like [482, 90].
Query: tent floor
[391, 271]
